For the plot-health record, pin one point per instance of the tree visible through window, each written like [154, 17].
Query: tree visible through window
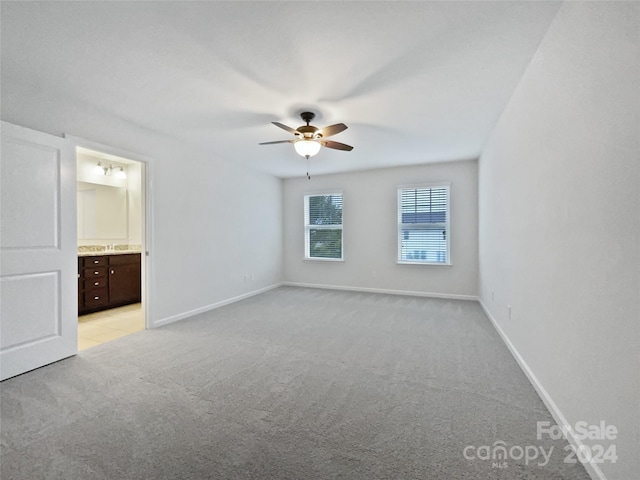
[423, 224]
[323, 226]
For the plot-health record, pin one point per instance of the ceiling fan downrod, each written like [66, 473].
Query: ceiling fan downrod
[307, 117]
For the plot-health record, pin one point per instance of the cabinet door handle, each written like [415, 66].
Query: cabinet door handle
[96, 261]
[96, 273]
[97, 283]
[112, 272]
[96, 298]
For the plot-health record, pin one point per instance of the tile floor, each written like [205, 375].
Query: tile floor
[107, 325]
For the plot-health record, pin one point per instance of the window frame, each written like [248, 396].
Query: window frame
[308, 227]
[417, 226]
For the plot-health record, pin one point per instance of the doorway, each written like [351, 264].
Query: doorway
[112, 245]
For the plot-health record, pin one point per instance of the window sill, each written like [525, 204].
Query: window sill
[311, 259]
[426, 264]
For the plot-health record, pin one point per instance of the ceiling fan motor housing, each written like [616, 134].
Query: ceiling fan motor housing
[308, 132]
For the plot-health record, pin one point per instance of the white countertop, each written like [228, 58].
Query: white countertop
[107, 252]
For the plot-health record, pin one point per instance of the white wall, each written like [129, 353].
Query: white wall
[218, 232]
[559, 186]
[370, 231]
[213, 222]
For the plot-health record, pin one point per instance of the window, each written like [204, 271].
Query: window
[323, 226]
[423, 224]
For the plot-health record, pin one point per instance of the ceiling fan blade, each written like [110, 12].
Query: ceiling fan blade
[333, 129]
[284, 127]
[277, 141]
[337, 145]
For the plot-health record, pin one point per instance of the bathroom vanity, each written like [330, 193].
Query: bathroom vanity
[108, 280]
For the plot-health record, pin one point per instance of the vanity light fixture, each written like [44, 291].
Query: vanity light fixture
[120, 173]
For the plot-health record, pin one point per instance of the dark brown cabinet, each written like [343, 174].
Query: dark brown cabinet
[124, 279]
[107, 281]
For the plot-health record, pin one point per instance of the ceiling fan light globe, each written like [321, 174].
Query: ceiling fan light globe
[307, 148]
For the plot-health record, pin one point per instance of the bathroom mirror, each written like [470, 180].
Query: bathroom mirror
[102, 212]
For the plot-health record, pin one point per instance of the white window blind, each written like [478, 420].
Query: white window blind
[423, 224]
[323, 226]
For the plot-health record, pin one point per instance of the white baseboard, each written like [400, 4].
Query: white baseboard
[592, 468]
[450, 296]
[206, 308]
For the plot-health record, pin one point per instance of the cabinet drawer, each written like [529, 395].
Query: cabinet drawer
[97, 272]
[96, 298]
[99, 261]
[95, 283]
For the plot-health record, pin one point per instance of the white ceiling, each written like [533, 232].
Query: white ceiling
[416, 82]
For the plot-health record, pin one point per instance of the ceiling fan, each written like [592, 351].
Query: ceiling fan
[308, 139]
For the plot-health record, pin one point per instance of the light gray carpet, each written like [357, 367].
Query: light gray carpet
[291, 384]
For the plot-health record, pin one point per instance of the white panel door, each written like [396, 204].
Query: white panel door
[38, 250]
